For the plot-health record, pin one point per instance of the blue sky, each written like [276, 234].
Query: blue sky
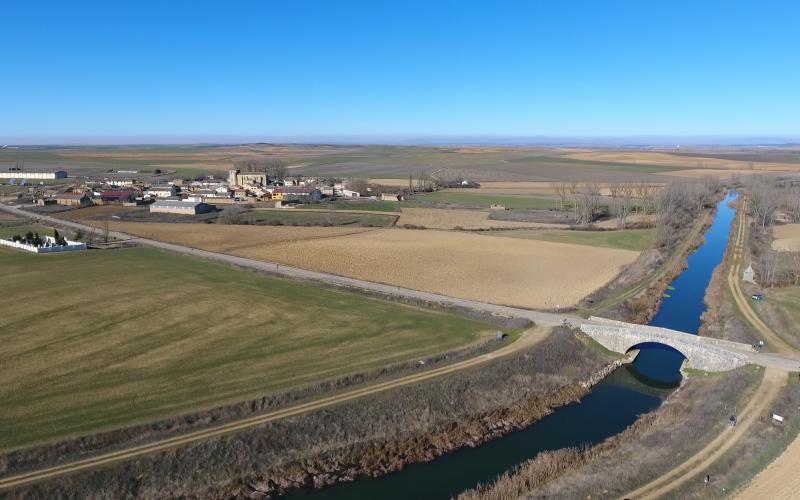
[397, 70]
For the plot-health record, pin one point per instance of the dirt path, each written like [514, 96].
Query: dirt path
[694, 468]
[779, 481]
[526, 340]
[774, 342]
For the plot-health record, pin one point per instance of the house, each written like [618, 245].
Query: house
[162, 191]
[117, 196]
[391, 197]
[287, 193]
[180, 207]
[73, 199]
[326, 190]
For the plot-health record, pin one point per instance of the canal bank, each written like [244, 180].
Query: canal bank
[611, 407]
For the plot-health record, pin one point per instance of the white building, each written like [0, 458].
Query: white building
[350, 194]
[17, 174]
[161, 191]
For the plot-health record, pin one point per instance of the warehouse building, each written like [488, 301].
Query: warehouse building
[180, 207]
[18, 174]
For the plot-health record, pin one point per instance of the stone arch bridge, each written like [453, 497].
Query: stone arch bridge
[701, 353]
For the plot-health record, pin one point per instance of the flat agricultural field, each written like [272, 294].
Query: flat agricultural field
[513, 271]
[627, 239]
[787, 238]
[476, 199]
[441, 218]
[103, 339]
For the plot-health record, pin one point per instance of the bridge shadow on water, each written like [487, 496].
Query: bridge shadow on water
[657, 365]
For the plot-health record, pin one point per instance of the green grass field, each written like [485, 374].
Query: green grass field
[629, 239]
[470, 200]
[322, 218]
[96, 340]
[789, 300]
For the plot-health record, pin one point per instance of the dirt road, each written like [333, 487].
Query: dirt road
[774, 342]
[694, 468]
[526, 340]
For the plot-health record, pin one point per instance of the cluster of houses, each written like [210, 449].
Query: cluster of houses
[202, 194]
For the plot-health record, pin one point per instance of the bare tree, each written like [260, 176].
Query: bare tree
[768, 265]
[791, 203]
[764, 200]
[105, 231]
[275, 168]
[586, 202]
[561, 189]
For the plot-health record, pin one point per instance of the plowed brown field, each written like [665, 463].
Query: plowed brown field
[525, 273]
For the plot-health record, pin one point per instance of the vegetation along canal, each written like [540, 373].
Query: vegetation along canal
[612, 405]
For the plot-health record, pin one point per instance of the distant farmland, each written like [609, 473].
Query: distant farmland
[483, 164]
[103, 339]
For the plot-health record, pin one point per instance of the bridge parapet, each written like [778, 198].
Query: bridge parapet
[725, 344]
[698, 351]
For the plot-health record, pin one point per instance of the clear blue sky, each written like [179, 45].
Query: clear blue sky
[298, 69]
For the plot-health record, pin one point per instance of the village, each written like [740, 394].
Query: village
[189, 196]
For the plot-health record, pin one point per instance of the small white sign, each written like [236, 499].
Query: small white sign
[777, 417]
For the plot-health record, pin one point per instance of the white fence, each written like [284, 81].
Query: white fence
[49, 247]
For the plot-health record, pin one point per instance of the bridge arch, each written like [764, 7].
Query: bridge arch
[700, 352]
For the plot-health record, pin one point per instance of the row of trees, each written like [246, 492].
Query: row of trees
[273, 167]
[679, 203]
[31, 238]
[766, 197]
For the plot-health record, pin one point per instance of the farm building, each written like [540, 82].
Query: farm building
[180, 207]
[73, 200]
[391, 197]
[117, 196]
[18, 174]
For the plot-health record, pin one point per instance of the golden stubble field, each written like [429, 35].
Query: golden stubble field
[512, 271]
[787, 238]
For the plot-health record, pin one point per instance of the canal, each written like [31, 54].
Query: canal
[612, 405]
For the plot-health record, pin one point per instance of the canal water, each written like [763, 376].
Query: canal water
[612, 406]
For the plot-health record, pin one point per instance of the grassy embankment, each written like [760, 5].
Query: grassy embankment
[655, 444]
[104, 339]
[628, 239]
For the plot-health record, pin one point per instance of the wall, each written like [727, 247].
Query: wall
[71, 246]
